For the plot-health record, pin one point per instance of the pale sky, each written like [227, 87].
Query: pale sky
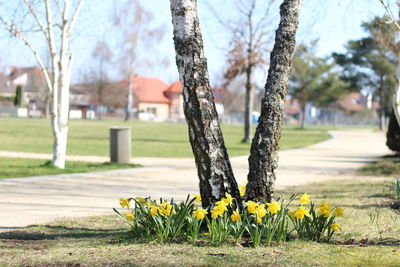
[333, 22]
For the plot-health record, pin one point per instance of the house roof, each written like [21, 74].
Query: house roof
[353, 102]
[149, 90]
[219, 93]
[6, 87]
[176, 87]
[292, 106]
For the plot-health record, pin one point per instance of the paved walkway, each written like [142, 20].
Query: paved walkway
[25, 201]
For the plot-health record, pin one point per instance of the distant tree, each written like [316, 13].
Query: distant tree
[96, 79]
[52, 23]
[368, 64]
[136, 31]
[313, 80]
[18, 96]
[250, 36]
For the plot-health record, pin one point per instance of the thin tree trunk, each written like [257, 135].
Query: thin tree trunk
[263, 159]
[128, 109]
[382, 110]
[61, 84]
[249, 104]
[302, 115]
[382, 105]
[47, 107]
[335, 114]
[212, 161]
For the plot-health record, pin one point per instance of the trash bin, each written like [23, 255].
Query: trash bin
[120, 144]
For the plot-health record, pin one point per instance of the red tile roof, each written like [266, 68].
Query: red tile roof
[176, 87]
[219, 93]
[353, 102]
[150, 90]
[292, 106]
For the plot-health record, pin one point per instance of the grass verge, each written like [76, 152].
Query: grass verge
[148, 139]
[105, 241]
[386, 165]
[20, 167]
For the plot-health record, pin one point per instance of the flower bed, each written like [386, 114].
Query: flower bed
[231, 220]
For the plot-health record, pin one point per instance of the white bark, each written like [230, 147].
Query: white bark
[61, 63]
[212, 161]
[396, 93]
[128, 108]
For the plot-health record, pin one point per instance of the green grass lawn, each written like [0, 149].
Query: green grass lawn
[19, 167]
[148, 139]
[105, 240]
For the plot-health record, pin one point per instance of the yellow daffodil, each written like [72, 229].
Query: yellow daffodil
[124, 202]
[259, 220]
[301, 212]
[222, 203]
[242, 190]
[261, 211]
[291, 214]
[165, 209]
[198, 197]
[200, 213]
[324, 211]
[335, 227]
[153, 210]
[274, 207]
[228, 199]
[215, 213]
[218, 210]
[141, 200]
[304, 199]
[324, 204]
[235, 217]
[339, 212]
[251, 206]
[129, 216]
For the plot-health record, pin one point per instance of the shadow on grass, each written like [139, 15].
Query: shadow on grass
[152, 140]
[51, 232]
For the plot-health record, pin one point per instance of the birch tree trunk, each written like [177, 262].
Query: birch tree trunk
[56, 29]
[129, 104]
[212, 161]
[263, 159]
[396, 95]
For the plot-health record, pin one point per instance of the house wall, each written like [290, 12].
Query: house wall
[160, 110]
[176, 106]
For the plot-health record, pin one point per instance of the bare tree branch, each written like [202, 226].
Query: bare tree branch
[35, 15]
[390, 13]
[75, 16]
[18, 34]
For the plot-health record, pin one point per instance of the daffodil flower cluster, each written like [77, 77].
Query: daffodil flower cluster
[315, 223]
[230, 218]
